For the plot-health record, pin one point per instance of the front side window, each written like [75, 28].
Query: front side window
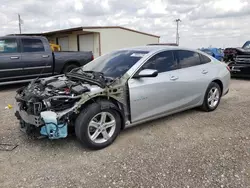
[188, 58]
[8, 46]
[162, 62]
[32, 45]
[115, 64]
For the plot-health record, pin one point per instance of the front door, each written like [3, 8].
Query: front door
[151, 96]
[10, 59]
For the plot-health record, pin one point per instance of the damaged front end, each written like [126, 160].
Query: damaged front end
[49, 106]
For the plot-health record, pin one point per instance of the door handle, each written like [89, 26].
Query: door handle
[45, 56]
[204, 72]
[14, 57]
[173, 78]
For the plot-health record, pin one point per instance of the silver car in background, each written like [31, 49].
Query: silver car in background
[128, 87]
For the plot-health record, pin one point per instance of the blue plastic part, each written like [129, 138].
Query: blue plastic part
[51, 128]
[54, 131]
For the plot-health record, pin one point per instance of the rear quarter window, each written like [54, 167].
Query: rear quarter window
[204, 59]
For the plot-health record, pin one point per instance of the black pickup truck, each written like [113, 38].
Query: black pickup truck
[238, 60]
[23, 58]
[230, 54]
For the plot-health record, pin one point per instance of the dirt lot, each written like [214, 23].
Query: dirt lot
[189, 149]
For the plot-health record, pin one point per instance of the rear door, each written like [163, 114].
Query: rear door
[194, 76]
[10, 59]
[36, 57]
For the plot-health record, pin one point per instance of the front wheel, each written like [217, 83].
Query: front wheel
[212, 97]
[97, 128]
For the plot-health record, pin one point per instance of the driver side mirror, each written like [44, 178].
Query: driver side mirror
[146, 73]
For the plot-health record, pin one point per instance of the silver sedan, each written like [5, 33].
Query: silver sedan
[157, 81]
[127, 87]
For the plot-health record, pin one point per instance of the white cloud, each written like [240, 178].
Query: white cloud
[49, 24]
[204, 22]
[230, 5]
[75, 21]
[78, 5]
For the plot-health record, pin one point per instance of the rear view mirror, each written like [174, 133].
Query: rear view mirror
[146, 73]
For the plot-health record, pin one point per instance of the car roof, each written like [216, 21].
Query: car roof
[155, 48]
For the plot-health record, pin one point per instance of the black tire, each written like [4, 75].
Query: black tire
[205, 106]
[68, 68]
[84, 118]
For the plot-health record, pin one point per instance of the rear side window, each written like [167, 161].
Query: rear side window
[32, 45]
[162, 62]
[204, 59]
[8, 45]
[188, 58]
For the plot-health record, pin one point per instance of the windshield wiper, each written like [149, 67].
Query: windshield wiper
[88, 73]
[100, 82]
[75, 70]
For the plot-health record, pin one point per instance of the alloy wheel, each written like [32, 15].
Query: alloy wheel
[213, 97]
[101, 127]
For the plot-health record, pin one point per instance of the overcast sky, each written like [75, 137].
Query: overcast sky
[220, 23]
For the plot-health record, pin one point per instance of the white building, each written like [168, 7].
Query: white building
[99, 40]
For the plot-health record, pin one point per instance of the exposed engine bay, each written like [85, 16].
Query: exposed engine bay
[55, 94]
[51, 103]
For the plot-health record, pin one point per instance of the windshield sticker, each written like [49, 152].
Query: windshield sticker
[137, 55]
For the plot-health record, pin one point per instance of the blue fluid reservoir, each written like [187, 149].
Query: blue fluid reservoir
[51, 128]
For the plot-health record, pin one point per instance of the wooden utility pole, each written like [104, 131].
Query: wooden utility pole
[177, 31]
[19, 23]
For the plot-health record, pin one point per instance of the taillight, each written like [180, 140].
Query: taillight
[228, 68]
[92, 57]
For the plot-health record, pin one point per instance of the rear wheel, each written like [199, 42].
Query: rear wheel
[69, 67]
[96, 128]
[212, 97]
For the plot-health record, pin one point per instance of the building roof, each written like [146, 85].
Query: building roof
[98, 27]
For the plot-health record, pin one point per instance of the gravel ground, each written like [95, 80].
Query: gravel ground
[189, 149]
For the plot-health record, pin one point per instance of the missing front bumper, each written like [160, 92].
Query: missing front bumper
[46, 124]
[27, 118]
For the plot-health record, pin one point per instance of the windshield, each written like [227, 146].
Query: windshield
[115, 64]
[246, 45]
